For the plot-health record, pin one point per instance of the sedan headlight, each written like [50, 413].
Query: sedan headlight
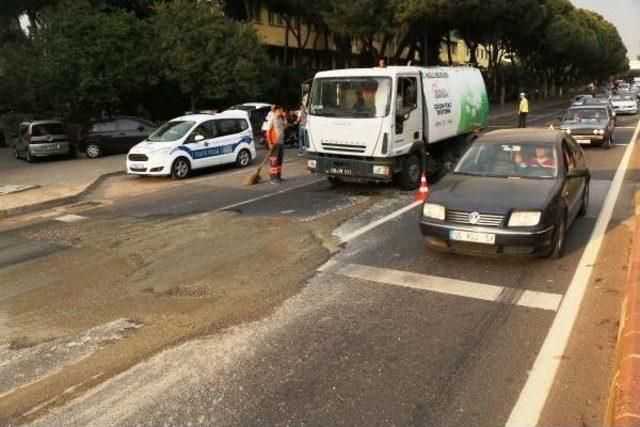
[568, 131]
[431, 210]
[598, 132]
[524, 218]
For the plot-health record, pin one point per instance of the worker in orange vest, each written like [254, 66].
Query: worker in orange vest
[276, 144]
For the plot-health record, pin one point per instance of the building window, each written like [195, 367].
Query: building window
[276, 19]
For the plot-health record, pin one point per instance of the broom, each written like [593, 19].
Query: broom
[254, 178]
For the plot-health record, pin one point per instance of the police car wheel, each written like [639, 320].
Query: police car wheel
[243, 159]
[180, 168]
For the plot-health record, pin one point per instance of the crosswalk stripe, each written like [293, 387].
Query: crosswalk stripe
[462, 288]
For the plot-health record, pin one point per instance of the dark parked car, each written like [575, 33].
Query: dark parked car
[41, 138]
[589, 124]
[111, 136]
[512, 192]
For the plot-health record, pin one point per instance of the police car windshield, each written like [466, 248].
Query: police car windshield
[531, 160]
[171, 131]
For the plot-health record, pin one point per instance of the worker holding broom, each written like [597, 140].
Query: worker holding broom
[275, 137]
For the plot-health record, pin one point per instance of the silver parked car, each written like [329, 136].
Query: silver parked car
[41, 138]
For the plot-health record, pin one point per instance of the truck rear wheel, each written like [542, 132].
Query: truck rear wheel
[409, 176]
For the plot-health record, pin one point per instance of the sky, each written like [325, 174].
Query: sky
[624, 14]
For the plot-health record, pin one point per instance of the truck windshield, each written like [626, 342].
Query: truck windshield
[351, 97]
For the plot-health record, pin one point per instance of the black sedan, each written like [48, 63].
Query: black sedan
[589, 125]
[512, 192]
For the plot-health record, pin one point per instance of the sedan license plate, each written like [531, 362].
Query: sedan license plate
[137, 166]
[473, 237]
[583, 141]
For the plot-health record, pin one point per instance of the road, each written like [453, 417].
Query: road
[209, 302]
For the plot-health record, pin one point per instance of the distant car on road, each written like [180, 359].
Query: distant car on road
[512, 192]
[625, 103]
[112, 136]
[603, 102]
[580, 99]
[606, 94]
[192, 142]
[589, 124]
[41, 138]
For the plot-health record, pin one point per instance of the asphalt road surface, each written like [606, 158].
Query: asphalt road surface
[209, 302]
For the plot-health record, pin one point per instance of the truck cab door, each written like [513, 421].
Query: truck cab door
[408, 113]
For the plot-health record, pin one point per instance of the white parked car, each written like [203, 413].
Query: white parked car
[625, 103]
[192, 142]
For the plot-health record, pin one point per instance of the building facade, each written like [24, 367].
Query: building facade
[304, 44]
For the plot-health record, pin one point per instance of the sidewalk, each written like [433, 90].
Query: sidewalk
[626, 382]
[52, 181]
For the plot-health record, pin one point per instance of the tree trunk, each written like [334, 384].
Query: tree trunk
[449, 53]
[503, 90]
[285, 60]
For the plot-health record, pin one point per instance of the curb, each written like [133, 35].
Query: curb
[53, 203]
[625, 390]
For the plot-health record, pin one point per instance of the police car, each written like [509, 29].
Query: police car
[194, 141]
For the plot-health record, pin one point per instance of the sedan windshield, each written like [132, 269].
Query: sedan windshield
[359, 97]
[586, 115]
[531, 160]
[171, 131]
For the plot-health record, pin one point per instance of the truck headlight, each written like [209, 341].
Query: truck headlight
[431, 210]
[524, 219]
[381, 170]
[311, 163]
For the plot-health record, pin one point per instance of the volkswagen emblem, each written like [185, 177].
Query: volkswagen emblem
[474, 218]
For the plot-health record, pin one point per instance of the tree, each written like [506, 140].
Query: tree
[81, 60]
[207, 54]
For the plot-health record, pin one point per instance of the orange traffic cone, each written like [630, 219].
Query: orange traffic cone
[423, 192]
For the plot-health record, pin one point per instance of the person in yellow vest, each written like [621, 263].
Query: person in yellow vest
[523, 111]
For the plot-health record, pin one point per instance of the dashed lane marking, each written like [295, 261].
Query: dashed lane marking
[444, 285]
[70, 218]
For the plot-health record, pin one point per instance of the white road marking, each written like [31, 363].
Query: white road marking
[444, 285]
[265, 196]
[70, 218]
[533, 396]
[380, 221]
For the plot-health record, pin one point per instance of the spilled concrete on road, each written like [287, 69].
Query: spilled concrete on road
[177, 279]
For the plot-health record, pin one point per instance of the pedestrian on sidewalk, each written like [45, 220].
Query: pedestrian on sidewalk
[276, 144]
[302, 123]
[523, 111]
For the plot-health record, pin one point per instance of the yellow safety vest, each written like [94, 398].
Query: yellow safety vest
[524, 106]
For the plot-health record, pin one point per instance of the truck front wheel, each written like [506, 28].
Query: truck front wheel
[409, 176]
